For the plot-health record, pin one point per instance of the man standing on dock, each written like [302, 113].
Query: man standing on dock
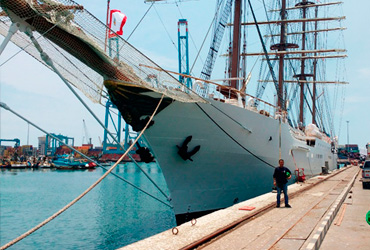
[281, 177]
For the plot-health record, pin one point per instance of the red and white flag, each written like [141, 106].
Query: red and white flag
[117, 21]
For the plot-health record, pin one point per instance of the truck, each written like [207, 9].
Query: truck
[348, 153]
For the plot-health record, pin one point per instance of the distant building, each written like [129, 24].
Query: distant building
[42, 145]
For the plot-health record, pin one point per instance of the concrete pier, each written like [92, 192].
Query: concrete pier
[316, 220]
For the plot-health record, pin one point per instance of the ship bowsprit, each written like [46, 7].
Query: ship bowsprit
[135, 103]
[76, 42]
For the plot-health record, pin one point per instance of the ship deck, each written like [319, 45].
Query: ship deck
[328, 212]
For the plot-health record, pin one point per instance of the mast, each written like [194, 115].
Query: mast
[308, 54]
[314, 74]
[303, 76]
[281, 57]
[282, 47]
[235, 62]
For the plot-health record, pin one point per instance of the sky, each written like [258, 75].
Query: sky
[36, 93]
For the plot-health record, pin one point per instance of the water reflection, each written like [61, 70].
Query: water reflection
[132, 208]
[112, 215]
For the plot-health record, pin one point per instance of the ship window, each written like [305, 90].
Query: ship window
[310, 142]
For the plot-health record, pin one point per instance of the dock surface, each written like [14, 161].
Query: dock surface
[328, 212]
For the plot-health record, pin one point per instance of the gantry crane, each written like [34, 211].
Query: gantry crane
[16, 140]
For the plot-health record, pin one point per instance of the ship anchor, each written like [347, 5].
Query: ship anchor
[144, 153]
[183, 150]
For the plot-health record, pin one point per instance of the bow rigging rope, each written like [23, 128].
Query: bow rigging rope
[49, 62]
[137, 25]
[164, 26]
[86, 191]
[78, 69]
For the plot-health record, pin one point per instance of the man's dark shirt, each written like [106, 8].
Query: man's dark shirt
[280, 175]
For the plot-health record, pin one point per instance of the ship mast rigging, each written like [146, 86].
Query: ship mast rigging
[309, 56]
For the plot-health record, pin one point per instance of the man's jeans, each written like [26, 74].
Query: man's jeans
[283, 188]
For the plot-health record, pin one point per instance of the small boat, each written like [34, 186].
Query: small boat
[5, 164]
[46, 164]
[17, 165]
[32, 162]
[70, 163]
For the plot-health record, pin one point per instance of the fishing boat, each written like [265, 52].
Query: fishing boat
[216, 144]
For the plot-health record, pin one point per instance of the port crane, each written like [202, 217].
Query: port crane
[16, 140]
[87, 135]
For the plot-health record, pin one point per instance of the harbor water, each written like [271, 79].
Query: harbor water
[112, 215]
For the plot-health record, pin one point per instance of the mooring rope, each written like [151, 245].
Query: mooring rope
[50, 63]
[21, 237]
[4, 106]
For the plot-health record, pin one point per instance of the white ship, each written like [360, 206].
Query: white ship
[214, 150]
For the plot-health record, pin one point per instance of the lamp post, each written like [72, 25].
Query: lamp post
[348, 141]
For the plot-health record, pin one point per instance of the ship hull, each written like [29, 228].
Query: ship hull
[239, 149]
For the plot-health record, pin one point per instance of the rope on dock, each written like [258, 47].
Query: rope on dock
[21, 237]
